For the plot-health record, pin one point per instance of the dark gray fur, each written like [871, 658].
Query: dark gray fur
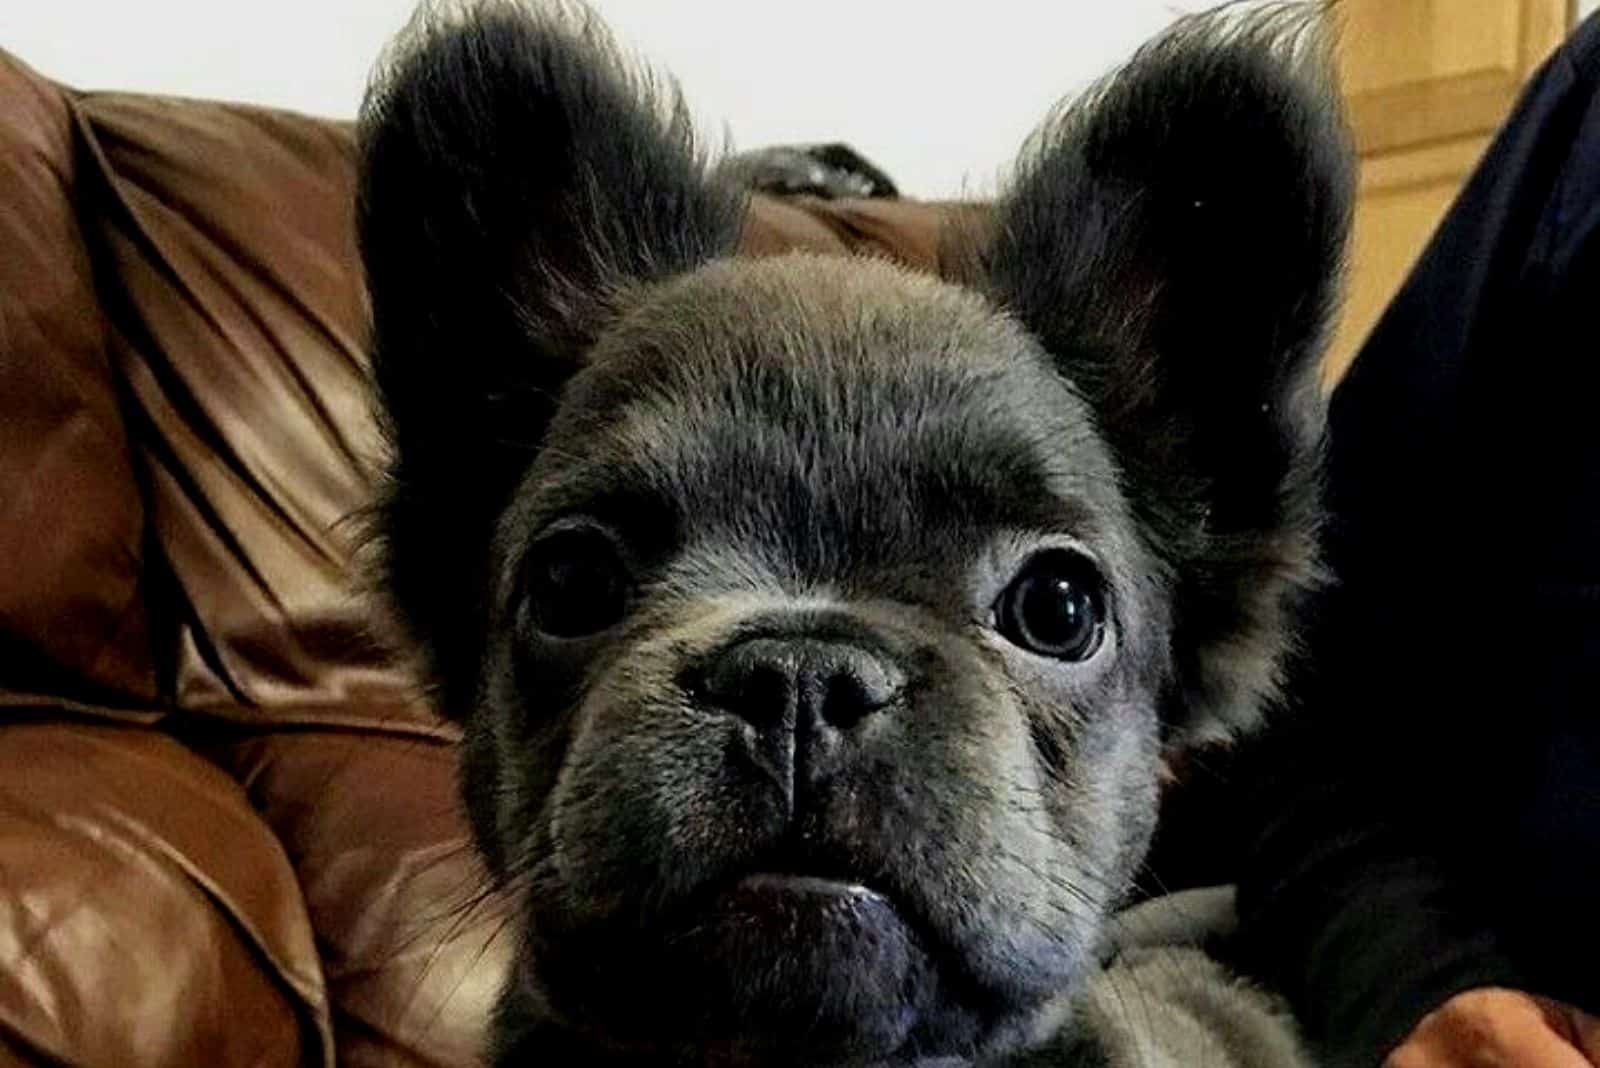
[804, 448]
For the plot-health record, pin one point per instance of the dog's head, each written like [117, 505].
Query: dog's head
[818, 628]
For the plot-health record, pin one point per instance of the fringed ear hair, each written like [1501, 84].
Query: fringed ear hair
[1175, 239]
[516, 174]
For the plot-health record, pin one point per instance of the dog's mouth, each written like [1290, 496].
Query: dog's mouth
[776, 912]
[790, 959]
[776, 917]
[781, 885]
[796, 869]
[793, 893]
[807, 961]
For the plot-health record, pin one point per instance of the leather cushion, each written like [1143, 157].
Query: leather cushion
[239, 314]
[72, 616]
[147, 915]
[414, 942]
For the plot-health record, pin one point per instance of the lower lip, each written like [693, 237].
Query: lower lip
[777, 962]
[806, 885]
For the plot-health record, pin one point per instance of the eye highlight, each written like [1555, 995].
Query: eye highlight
[1054, 607]
[575, 583]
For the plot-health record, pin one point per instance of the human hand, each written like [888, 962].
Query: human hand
[1492, 1027]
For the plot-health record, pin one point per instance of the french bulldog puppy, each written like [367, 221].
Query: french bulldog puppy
[820, 629]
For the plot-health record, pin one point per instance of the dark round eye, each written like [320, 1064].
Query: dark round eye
[576, 584]
[1054, 607]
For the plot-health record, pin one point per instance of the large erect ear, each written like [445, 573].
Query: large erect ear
[1175, 240]
[516, 176]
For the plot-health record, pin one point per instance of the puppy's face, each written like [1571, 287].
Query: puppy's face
[817, 703]
[819, 629]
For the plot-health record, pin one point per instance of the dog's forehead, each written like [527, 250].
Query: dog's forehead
[739, 325]
[842, 401]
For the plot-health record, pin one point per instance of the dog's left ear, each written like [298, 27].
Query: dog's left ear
[1175, 241]
[519, 176]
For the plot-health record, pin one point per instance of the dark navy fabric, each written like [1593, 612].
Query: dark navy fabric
[1430, 819]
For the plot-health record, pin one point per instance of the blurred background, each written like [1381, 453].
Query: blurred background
[938, 95]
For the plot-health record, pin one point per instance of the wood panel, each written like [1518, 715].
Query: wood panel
[1427, 83]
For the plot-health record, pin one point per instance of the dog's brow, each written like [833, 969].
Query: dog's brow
[618, 494]
[654, 503]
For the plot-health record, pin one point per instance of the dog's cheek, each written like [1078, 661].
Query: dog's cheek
[1050, 804]
[479, 783]
[653, 801]
[1106, 801]
[516, 741]
[956, 806]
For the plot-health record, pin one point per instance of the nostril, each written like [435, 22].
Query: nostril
[751, 685]
[765, 696]
[857, 691]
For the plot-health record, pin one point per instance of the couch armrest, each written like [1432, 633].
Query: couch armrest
[147, 915]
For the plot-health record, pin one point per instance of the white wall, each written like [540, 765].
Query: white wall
[938, 93]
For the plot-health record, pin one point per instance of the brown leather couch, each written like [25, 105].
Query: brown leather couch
[228, 825]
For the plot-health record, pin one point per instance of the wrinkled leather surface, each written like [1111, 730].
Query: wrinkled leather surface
[237, 311]
[414, 944]
[274, 870]
[147, 914]
[72, 621]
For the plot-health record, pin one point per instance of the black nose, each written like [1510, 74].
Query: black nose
[800, 684]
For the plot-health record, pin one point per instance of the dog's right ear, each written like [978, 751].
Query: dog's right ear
[1174, 238]
[516, 175]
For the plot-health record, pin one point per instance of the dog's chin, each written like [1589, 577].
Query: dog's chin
[774, 969]
[803, 962]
